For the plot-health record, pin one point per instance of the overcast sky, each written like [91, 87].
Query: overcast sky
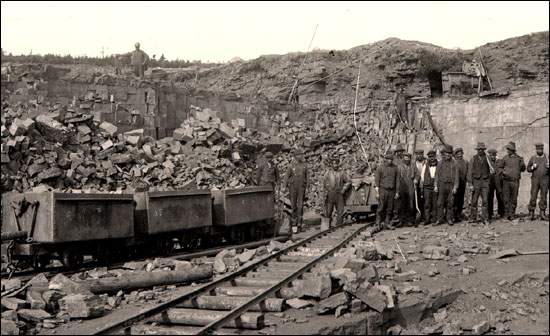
[219, 31]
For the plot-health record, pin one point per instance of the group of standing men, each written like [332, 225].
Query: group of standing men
[431, 191]
[428, 190]
[335, 182]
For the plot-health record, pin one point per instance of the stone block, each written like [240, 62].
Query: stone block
[9, 327]
[82, 306]
[33, 315]
[67, 286]
[108, 128]
[13, 303]
[332, 302]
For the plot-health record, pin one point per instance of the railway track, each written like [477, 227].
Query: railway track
[259, 287]
[51, 271]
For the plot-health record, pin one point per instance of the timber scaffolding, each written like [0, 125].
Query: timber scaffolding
[201, 312]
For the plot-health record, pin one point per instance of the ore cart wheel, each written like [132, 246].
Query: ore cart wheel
[71, 258]
[40, 261]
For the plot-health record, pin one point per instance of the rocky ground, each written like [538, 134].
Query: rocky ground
[450, 283]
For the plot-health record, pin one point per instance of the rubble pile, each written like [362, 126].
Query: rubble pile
[69, 150]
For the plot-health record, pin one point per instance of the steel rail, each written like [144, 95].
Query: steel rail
[159, 308]
[178, 255]
[238, 311]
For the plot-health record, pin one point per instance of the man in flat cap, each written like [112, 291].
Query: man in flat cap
[538, 167]
[420, 162]
[462, 169]
[398, 161]
[478, 175]
[408, 179]
[495, 186]
[297, 185]
[512, 167]
[336, 184]
[427, 188]
[386, 183]
[267, 173]
[446, 185]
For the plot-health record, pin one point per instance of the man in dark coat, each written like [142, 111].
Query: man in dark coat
[387, 186]
[297, 185]
[267, 172]
[538, 167]
[512, 167]
[478, 175]
[420, 162]
[446, 184]
[408, 175]
[336, 184]
[462, 169]
[427, 187]
[495, 186]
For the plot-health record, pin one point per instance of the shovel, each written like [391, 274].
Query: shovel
[418, 212]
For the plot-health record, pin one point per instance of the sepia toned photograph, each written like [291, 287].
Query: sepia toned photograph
[275, 168]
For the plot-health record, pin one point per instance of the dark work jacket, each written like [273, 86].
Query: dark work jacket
[462, 169]
[427, 180]
[542, 166]
[297, 176]
[446, 173]
[513, 166]
[479, 168]
[387, 177]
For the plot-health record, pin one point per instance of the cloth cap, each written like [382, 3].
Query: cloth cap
[481, 145]
[492, 151]
[511, 146]
[447, 149]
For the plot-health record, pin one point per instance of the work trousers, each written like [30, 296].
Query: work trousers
[459, 201]
[481, 189]
[538, 184]
[420, 201]
[407, 210]
[495, 189]
[430, 206]
[334, 200]
[385, 206]
[139, 71]
[445, 201]
[297, 202]
[510, 196]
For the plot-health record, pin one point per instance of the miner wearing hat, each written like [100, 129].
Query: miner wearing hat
[427, 188]
[139, 60]
[478, 176]
[408, 176]
[398, 161]
[446, 185]
[297, 185]
[267, 173]
[512, 167]
[495, 186]
[420, 162]
[462, 170]
[336, 184]
[386, 183]
[538, 167]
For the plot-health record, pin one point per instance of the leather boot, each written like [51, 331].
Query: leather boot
[532, 215]
[543, 215]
